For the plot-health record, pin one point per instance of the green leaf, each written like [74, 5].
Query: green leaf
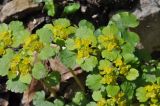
[16, 86]
[70, 44]
[97, 95]
[125, 19]
[149, 77]
[111, 29]
[93, 81]
[91, 104]
[47, 52]
[132, 38]
[53, 78]
[129, 58]
[103, 64]
[58, 102]
[68, 58]
[39, 71]
[158, 80]
[62, 22]
[128, 89]
[3, 27]
[19, 37]
[109, 55]
[71, 8]
[11, 75]
[132, 74]
[16, 26]
[49, 5]
[85, 23]
[127, 48]
[141, 94]
[89, 63]
[39, 99]
[45, 35]
[5, 62]
[79, 99]
[112, 90]
[25, 78]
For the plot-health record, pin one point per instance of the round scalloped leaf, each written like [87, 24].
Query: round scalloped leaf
[85, 23]
[149, 77]
[58, 102]
[16, 26]
[3, 27]
[84, 32]
[39, 71]
[62, 22]
[68, 58]
[132, 74]
[79, 99]
[129, 58]
[141, 94]
[103, 64]
[49, 5]
[127, 48]
[70, 44]
[71, 8]
[97, 95]
[109, 55]
[111, 29]
[47, 52]
[93, 81]
[45, 35]
[25, 78]
[112, 90]
[125, 19]
[39, 99]
[128, 89]
[91, 104]
[89, 64]
[132, 38]
[53, 78]
[5, 62]
[16, 86]
[19, 37]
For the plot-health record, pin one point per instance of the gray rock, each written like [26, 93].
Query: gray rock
[146, 8]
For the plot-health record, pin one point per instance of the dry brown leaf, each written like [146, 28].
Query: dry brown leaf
[18, 8]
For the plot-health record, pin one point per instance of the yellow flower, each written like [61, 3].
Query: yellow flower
[24, 69]
[111, 46]
[26, 61]
[2, 51]
[107, 70]
[101, 102]
[108, 79]
[118, 62]
[124, 69]
[16, 59]
[30, 39]
[78, 43]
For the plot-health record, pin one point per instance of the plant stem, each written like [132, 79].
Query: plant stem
[78, 81]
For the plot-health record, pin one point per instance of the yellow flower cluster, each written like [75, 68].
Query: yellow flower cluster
[20, 64]
[109, 42]
[84, 47]
[109, 72]
[122, 67]
[118, 100]
[5, 41]
[153, 93]
[61, 32]
[32, 44]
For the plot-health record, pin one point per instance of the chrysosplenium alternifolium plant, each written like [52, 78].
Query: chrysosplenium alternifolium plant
[116, 75]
